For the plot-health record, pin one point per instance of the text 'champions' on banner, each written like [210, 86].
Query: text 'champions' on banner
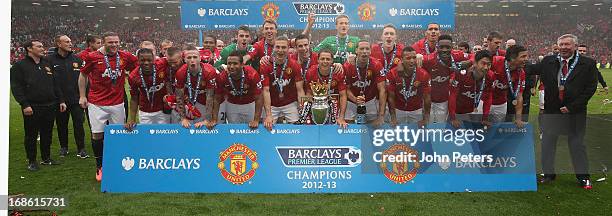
[229, 15]
[318, 159]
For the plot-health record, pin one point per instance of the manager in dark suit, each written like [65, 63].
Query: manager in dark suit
[570, 81]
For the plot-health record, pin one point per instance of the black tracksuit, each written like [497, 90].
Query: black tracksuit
[36, 86]
[67, 70]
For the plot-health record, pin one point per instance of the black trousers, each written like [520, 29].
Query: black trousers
[574, 126]
[61, 120]
[126, 105]
[40, 122]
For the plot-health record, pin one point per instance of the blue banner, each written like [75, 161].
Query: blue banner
[319, 159]
[404, 14]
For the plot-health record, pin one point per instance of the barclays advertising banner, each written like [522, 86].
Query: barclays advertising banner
[318, 159]
[404, 14]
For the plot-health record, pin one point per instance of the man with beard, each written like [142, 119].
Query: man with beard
[282, 85]
[342, 45]
[106, 77]
[67, 68]
[324, 74]
[428, 44]
[195, 86]
[468, 89]
[409, 91]
[440, 65]
[508, 86]
[366, 82]
[241, 86]
[147, 91]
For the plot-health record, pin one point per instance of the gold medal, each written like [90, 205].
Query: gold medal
[281, 95]
[561, 88]
[514, 102]
[475, 110]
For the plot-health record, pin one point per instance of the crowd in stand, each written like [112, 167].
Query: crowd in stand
[27, 22]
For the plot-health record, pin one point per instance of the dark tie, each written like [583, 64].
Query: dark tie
[564, 70]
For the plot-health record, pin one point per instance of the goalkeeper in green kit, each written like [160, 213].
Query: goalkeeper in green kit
[341, 44]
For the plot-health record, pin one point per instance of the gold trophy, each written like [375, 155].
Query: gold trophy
[320, 105]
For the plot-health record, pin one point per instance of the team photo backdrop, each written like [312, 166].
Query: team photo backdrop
[404, 14]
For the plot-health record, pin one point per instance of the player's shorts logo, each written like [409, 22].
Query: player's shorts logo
[400, 172]
[240, 157]
[270, 11]
[366, 11]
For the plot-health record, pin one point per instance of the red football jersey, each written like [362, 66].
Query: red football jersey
[414, 93]
[500, 83]
[290, 76]
[314, 60]
[394, 57]
[337, 81]
[373, 75]
[419, 47]
[207, 81]
[261, 48]
[252, 86]
[102, 90]
[440, 74]
[463, 92]
[157, 91]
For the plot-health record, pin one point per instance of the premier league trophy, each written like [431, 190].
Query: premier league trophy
[321, 108]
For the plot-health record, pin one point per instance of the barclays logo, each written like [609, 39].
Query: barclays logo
[122, 131]
[352, 131]
[127, 163]
[319, 156]
[244, 131]
[285, 131]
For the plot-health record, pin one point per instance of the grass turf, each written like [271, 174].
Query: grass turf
[75, 180]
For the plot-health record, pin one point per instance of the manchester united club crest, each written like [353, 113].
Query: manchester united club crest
[366, 11]
[396, 61]
[270, 11]
[401, 172]
[242, 163]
